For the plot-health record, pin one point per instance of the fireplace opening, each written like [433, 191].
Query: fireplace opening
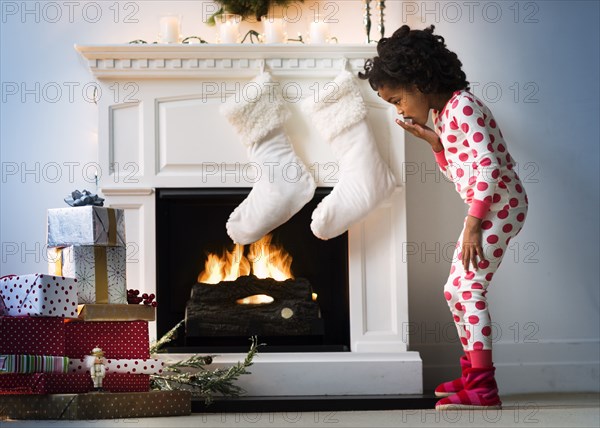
[305, 309]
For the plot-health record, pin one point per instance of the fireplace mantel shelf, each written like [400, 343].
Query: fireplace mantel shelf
[193, 61]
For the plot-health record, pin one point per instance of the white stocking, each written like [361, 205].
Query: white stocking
[365, 179]
[285, 185]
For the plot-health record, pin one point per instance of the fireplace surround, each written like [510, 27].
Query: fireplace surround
[164, 131]
[187, 221]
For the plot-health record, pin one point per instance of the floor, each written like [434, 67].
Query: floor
[528, 410]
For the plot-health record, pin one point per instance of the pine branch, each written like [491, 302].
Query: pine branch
[205, 383]
[168, 337]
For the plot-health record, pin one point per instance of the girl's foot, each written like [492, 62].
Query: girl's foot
[452, 387]
[480, 392]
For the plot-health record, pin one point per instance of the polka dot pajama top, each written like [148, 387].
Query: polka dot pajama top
[475, 158]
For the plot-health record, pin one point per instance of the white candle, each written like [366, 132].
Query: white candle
[169, 29]
[274, 30]
[228, 32]
[228, 27]
[318, 31]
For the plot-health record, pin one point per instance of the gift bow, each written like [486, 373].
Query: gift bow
[80, 199]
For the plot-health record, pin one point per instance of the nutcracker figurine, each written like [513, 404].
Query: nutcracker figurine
[97, 370]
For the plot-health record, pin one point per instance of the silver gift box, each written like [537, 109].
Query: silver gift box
[99, 270]
[88, 225]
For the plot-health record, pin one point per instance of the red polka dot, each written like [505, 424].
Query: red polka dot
[478, 137]
[482, 185]
[472, 180]
[502, 214]
[473, 319]
[489, 276]
[456, 318]
[486, 224]
[474, 153]
[520, 217]
[453, 125]
[498, 252]
[458, 306]
[492, 239]
[480, 121]
[451, 138]
[452, 149]
[447, 295]
[466, 295]
[487, 330]
[507, 228]
[464, 341]
[456, 282]
[452, 269]
[465, 143]
[463, 157]
[519, 188]
[465, 127]
[513, 202]
[492, 123]
[486, 162]
[483, 264]
[480, 305]
[501, 148]
[469, 275]
[459, 172]
[467, 110]
[470, 193]
[478, 346]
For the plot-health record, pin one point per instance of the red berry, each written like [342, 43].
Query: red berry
[154, 304]
[136, 292]
[144, 296]
[152, 296]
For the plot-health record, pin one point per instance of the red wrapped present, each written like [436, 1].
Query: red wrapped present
[39, 295]
[70, 383]
[73, 383]
[32, 335]
[118, 339]
[18, 383]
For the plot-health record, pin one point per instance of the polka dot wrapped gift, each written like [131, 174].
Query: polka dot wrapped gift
[39, 295]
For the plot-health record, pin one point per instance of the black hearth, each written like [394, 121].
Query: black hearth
[190, 224]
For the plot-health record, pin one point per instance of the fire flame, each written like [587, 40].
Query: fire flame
[264, 260]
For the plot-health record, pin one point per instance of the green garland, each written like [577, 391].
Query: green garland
[246, 8]
[201, 382]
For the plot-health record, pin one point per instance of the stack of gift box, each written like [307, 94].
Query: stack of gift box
[50, 323]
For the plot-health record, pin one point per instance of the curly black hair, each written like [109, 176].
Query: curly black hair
[415, 57]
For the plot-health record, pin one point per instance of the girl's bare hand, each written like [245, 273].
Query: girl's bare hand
[471, 245]
[421, 131]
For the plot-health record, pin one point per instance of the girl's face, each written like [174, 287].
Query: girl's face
[409, 102]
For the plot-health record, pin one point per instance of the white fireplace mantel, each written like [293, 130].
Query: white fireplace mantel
[156, 61]
[160, 126]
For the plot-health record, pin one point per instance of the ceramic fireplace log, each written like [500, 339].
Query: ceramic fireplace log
[213, 309]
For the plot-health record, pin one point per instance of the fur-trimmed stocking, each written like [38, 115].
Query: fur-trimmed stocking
[365, 179]
[285, 184]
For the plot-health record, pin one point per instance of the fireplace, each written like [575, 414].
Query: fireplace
[190, 225]
[166, 143]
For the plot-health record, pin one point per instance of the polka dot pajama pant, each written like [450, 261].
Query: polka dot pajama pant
[465, 291]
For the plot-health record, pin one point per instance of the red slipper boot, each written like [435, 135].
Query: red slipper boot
[480, 392]
[452, 387]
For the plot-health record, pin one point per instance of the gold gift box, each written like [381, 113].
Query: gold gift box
[103, 405]
[115, 312]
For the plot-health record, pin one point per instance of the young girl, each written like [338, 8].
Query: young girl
[416, 73]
